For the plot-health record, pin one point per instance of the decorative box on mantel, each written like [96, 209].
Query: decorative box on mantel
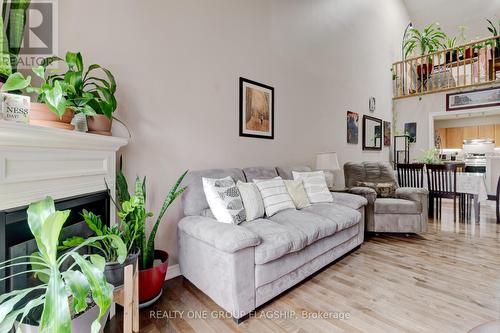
[37, 161]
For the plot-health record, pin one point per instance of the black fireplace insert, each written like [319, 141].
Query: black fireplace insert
[16, 238]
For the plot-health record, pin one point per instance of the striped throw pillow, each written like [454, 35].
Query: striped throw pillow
[315, 185]
[274, 195]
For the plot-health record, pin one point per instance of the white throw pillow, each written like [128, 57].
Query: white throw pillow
[274, 195]
[252, 201]
[224, 200]
[315, 185]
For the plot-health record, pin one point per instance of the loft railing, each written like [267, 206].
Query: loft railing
[473, 64]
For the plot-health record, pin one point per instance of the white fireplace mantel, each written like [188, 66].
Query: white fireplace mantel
[36, 162]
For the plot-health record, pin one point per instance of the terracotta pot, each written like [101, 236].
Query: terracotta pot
[41, 115]
[151, 280]
[99, 124]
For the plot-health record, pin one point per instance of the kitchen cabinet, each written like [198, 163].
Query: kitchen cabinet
[471, 132]
[497, 135]
[486, 132]
[454, 137]
[441, 133]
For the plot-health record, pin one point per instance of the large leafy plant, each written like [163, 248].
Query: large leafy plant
[78, 89]
[429, 40]
[62, 292]
[133, 215]
[107, 247]
[12, 25]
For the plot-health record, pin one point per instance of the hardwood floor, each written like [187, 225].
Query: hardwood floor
[447, 280]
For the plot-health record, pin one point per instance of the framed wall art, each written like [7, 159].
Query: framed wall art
[352, 127]
[256, 109]
[473, 99]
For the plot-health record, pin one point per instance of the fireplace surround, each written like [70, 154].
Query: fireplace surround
[72, 167]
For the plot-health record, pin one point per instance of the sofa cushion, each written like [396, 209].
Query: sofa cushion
[315, 185]
[397, 206]
[286, 172]
[375, 172]
[224, 200]
[193, 199]
[276, 240]
[259, 173]
[274, 195]
[298, 193]
[343, 216]
[312, 225]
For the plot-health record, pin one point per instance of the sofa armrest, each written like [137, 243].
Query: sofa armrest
[226, 237]
[412, 193]
[349, 200]
[368, 193]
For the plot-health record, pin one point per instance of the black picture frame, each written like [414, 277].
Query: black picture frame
[243, 132]
[378, 143]
[463, 94]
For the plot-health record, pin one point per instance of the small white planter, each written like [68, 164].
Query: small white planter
[80, 324]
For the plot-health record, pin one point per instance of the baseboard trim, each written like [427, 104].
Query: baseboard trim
[173, 271]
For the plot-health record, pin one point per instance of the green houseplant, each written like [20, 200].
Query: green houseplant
[61, 95]
[430, 156]
[450, 43]
[133, 216]
[12, 24]
[494, 30]
[106, 247]
[62, 295]
[427, 41]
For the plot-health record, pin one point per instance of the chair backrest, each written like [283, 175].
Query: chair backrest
[442, 179]
[411, 175]
[374, 172]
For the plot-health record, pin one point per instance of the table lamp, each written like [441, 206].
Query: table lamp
[328, 162]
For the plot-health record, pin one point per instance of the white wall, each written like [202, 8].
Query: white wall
[177, 64]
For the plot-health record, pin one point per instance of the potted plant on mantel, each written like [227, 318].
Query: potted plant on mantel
[429, 40]
[61, 95]
[133, 214]
[65, 301]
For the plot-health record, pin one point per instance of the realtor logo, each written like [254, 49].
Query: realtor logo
[40, 30]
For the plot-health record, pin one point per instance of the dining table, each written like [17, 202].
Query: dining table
[472, 183]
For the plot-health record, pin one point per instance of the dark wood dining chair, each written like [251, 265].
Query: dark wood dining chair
[410, 175]
[442, 184]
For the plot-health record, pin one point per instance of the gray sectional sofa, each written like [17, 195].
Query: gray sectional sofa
[243, 266]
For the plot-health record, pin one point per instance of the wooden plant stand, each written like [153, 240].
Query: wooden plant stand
[128, 297]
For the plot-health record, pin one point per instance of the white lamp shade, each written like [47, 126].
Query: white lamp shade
[327, 161]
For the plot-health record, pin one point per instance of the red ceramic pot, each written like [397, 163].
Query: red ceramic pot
[424, 70]
[151, 280]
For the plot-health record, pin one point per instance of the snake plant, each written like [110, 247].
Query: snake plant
[12, 24]
[62, 292]
[133, 215]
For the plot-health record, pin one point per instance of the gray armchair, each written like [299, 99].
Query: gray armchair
[405, 213]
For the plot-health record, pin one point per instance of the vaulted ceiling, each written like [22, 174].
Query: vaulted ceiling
[452, 13]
